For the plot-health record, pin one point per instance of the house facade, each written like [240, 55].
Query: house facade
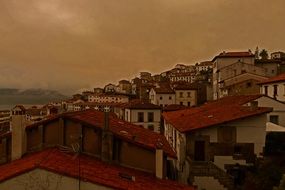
[144, 114]
[274, 87]
[162, 96]
[226, 59]
[218, 134]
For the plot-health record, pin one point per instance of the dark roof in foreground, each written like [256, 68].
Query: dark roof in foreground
[122, 129]
[214, 113]
[91, 170]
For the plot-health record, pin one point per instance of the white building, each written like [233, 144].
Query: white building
[218, 134]
[145, 114]
[204, 66]
[274, 87]
[162, 96]
[108, 98]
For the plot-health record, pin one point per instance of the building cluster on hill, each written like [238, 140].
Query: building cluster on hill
[198, 126]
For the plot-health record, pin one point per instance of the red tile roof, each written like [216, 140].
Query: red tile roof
[233, 54]
[139, 104]
[278, 78]
[127, 131]
[91, 170]
[214, 113]
[174, 107]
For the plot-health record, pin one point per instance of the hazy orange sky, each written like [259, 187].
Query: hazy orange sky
[69, 45]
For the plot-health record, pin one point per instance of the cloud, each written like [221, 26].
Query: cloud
[71, 44]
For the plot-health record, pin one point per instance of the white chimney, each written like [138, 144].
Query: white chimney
[18, 125]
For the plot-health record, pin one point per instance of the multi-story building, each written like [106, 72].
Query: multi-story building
[124, 87]
[68, 150]
[186, 94]
[225, 59]
[213, 138]
[108, 98]
[204, 66]
[162, 96]
[144, 114]
[110, 88]
[240, 79]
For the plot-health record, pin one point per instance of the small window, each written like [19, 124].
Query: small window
[274, 119]
[181, 103]
[150, 116]
[140, 117]
[266, 90]
[272, 71]
[275, 90]
[237, 149]
[189, 104]
[160, 97]
[248, 84]
[170, 98]
[188, 94]
[181, 94]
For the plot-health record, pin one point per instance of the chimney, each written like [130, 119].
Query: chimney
[159, 162]
[18, 125]
[107, 138]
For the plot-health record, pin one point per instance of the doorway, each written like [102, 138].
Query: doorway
[199, 154]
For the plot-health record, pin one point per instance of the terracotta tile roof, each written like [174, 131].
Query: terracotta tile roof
[140, 104]
[174, 107]
[91, 170]
[214, 113]
[278, 78]
[233, 54]
[124, 130]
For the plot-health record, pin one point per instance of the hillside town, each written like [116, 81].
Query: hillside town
[218, 124]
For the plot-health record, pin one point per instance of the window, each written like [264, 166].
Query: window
[170, 98]
[140, 117]
[274, 119]
[248, 84]
[181, 103]
[150, 116]
[181, 94]
[188, 94]
[237, 149]
[189, 104]
[160, 97]
[266, 90]
[275, 90]
[272, 71]
[150, 127]
[226, 134]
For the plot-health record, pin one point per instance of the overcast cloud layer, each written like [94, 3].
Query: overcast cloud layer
[69, 45]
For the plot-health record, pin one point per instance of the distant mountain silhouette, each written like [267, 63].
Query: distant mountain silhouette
[10, 96]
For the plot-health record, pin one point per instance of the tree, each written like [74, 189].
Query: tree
[263, 54]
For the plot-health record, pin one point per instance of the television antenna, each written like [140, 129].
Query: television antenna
[76, 149]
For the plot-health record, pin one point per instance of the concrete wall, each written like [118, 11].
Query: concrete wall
[139, 158]
[42, 179]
